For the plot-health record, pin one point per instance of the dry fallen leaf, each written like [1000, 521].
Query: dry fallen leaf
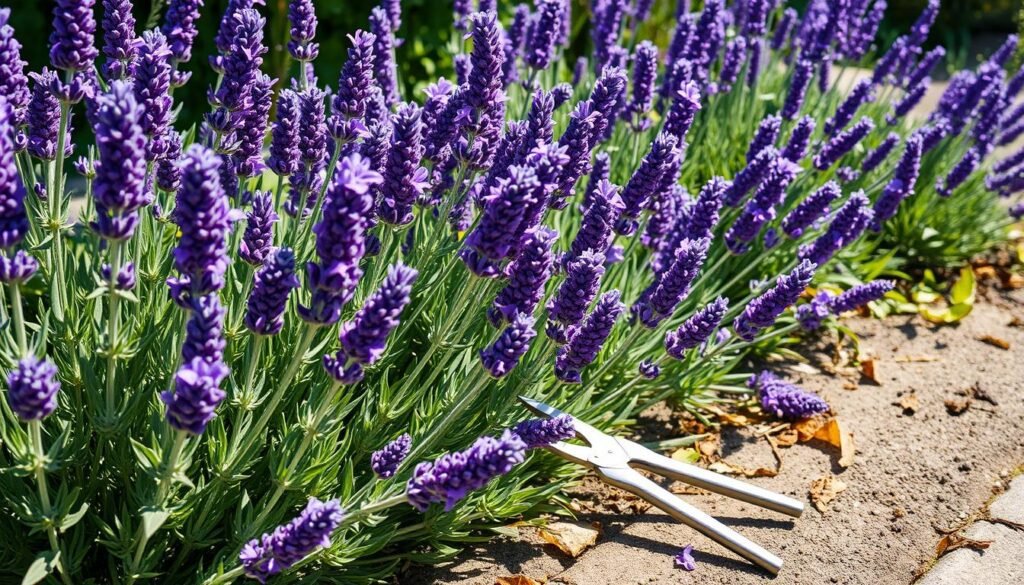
[910, 403]
[953, 541]
[572, 538]
[708, 448]
[787, 438]
[824, 490]
[1016, 322]
[730, 469]
[832, 432]
[516, 580]
[867, 368]
[907, 359]
[995, 341]
[957, 406]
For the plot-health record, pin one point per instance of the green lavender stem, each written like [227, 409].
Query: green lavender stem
[163, 487]
[36, 437]
[113, 320]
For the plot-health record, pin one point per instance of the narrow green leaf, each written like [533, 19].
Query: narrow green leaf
[44, 564]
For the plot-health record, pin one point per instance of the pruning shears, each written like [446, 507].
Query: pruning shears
[614, 460]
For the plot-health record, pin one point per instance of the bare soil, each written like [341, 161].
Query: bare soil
[917, 475]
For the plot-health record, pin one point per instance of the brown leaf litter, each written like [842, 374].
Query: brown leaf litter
[572, 538]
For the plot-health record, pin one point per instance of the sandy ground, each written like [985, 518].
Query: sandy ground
[915, 475]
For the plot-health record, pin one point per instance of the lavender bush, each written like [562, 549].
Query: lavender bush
[287, 346]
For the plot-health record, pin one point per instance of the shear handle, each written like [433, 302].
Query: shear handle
[632, 481]
[713, 482]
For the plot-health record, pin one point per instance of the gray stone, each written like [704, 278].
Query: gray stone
[1001, 563]
[1010, 505]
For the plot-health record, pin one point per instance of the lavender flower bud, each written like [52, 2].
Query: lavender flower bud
[168, 172]
[541, 45]
[608, 91]
[761, 312]
[541, 432]
[452, 476]
[785, 400]
[906, 103]
[644, 181]
[601, 171]
[561, 94]
[14, 224]
[696, 330]
[501, 224]
[180, 27]
[784, 28]
[959, 173]
[766, 136]
[120, 184]
[608, 18]
[201, 213]
[810, 209]
[861, 295]
[645, 69]
[849, 223]
[302, 18]
[123, 280]
[196, 395]
[842, 143]
[583, 279]
[880, 153]
[761, 207]
[858, 96]
[596, 229]
[348, 105]
[576, 140]
[204, 332]
[242, 62]
[502, 356]
[799, 139]
[649, 370]
[810, 315]
[385, 462]
[802, 74]
[284, 136]
[43, 116]
[919, 31]
[32, 388]
[273, 283]
[152, 82]
[704, 214]
[248, 158]
[17, 269]
[13, 82]
[119, 43]
[732, 62]
[277, 551]
[902, 183]
[750, 176]
[71, 42]
[404, 178]
[364, 337]
[259, 229]
[585, 341]
[674, 284]
[527, 276]
[683, 110]
[384, 67]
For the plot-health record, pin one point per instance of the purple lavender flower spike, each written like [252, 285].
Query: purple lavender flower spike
[539, 125]
[848, 224]
[608, 16]
[609, 90]
[665, 213]
[71, 41]
[340, 240]
[168, 172]
[925, 66]
[273, 283]
[708, 36]
[596, 230]
[784, 400]
[258, 238]
[302, 18]
[528, 274]
[453, 475]
[576, 140]
[811, 315]
[348, 106]
[541, 432]
[897, 54]
[404, 179]
[842, 143]
[14, 224]
[761, 207]
[766, 136]
[561, 94]
[861, 295]
[275, 552]
[364, 337]
[673, 284]
[880, 153]
[784, 28]
[749, 177]
[196, 395]
[43, 116]
[32, 388]
[540, 48]
[919, 31]
[802, 74]
[1009, 163]
[119, 43]
[902, 184]
[906, 103]
[201, 213]
[696, 330]
[180, 27]
[242, 60]
[959, 173]
[312, 128]
[502, 356]
[284, 136]
[858, 96]
[645, 70]
[643, 183]
[17, 269]
[152, 82]
[570, 303]
[732, 62]
[385, 461]
[810, 210]
[13, 82]
[384, 67]
[799, 139]
[601, 171]
[204, 332]
[501, 224]
[226, 29]
[683, 110]
[248, 157]
[462, 9]
[585, 341]
[119, 188]
[649, 370]
[762, 312]
[704, 214]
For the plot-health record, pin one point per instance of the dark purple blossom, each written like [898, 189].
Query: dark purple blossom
[576, 140]
[453, 475]
[502, 356]
[302, 18]
[750, 176]
[123, 280]
[119, 188]
[673, 284]
[704, 214]
[880, 153]
[385, 461]
[811, 315]
[204, 332]
[32, 388]
[649, 370]
[541, 432]
[273, 283]
[180, 27]
[761, 208]
[784, 28]
[43, 116]
[801, 79]
[861, 295]
[586, 340]
[810, 210]
[684, 108]
[609, 91]
[842, 143]
[404, 178]
[13, 82]
[799, 139]
[848, 224]
[196, 395]
[18, 268]
[697, 329]
[858, 96]
[902, 183]
[258, 238]
[570, 303]
[732, 62]
[290, 543]
[540, 47]
[248, 157]
[645, 70]
[596, 230]
[762, 312]
[959, 173]
[152, 82]
[168, 171]
[766, 136]
[119, 41]
[528, 274]
[665, 212]
[348, 106]
[14, 224]
[607, 23]
[644, 182]
[242, 61]
[502, 222]
[202, 215]
[385, 71]
[784, 400]
[72, 45]
[284, 135]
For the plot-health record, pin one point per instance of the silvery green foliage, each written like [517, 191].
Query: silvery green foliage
[103, 489]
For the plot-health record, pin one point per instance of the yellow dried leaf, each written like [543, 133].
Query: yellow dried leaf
[730, 469]
[686, 455]
[910, 403]
[572, 538]
[516, 580]
[787, 438]
[867, 368]
[832, 433]
[824, 490]
[951, 542]
[995, 341]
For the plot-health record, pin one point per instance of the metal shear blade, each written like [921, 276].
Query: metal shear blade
[613, 459]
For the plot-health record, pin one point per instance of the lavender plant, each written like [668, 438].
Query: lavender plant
[287, 347]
